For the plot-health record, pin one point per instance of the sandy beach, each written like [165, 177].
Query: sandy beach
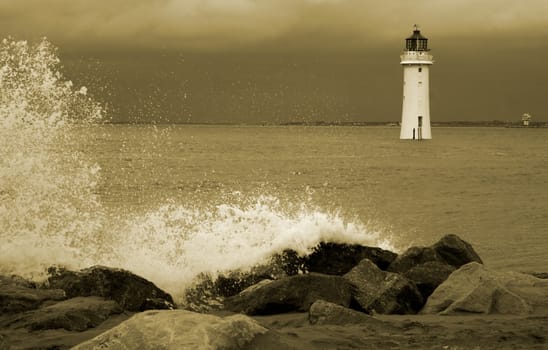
[411, 332]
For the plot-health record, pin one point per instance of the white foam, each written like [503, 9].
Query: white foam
[174, 244]
[49, 213]
[47, 206]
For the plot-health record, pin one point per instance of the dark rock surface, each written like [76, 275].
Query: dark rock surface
[543, 275]
[328, 258]
[450, 250]
[326, 313]
[130, 291]
[294, 293]
[76, 314]
[428, 276]
[383, 292]
[339, 258]
[17, 295]
[455, 251]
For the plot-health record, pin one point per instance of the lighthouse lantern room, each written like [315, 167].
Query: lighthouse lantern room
[416, 60]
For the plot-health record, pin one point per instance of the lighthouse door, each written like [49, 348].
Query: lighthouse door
[419, 129]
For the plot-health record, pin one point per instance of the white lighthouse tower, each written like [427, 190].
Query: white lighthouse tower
[415, 116]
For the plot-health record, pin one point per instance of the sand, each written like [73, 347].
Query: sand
[293, 331]
[411, 332]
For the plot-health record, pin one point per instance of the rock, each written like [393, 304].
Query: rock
[475, 289]
[127, 289]
[328, 258]
[326, 313]
[412, 257]
[543, 275]
[178, 329]
[294, 293]
[17, 295]
[76, 314]
[455, 251]
[450, 250]
[428, 276]
[339, 258]
[234, 282]
[3, 343]
[383, 292]
[208, 292]
[290, 262]
[157, 304]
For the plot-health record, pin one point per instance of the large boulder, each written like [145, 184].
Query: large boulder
[326, 313]
[17, 295]
[449, 250]
[180, 329]
[208, 291]
[294, 293]
[339, 258]
[382, 292]
[455, 251]
[428, 276]
[76, 314]
[130, 291]
[475, 289]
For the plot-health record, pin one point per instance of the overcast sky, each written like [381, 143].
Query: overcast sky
[227, 23]
[474, 36]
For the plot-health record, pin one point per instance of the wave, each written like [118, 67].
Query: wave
[50, 214]
[175, 243]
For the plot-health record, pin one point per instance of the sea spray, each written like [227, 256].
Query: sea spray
[47, 206]
[50, 212]
[174, 244]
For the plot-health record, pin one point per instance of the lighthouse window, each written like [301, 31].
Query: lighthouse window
[420, 69]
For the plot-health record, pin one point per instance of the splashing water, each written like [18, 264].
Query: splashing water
[42, 189]
[176, 243]
[49, 213]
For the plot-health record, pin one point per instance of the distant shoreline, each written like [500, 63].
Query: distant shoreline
[495, 123]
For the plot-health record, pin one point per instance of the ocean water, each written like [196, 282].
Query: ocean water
[488, 185]
[170, 202]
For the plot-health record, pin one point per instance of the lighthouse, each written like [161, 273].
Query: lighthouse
[416, 61]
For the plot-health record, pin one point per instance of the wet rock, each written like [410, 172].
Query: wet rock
[4, 343]
[428, 276]
[383, 292]
[294, 293]
[323, 313]
[178, 329]
[130, 291]
[543, 275]
[76, 314]
[328, 258]
[157, 304]
[450, 250]
[412, 257]
[455, 251]
[339, 258]
[18, 294]
[475, 289]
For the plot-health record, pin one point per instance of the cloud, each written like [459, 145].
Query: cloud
[211, 24]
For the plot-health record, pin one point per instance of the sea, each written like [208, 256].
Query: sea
[173, 202]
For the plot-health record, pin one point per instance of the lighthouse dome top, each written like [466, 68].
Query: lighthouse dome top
[416, 42]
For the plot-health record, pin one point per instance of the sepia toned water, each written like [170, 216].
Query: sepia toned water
[488, 185]
[176, 201]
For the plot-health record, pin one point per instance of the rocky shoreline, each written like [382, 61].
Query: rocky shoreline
[340, 296]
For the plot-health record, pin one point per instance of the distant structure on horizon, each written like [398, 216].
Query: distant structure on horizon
[415, 116]
[525, 119]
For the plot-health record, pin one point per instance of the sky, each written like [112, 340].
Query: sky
[249, 61]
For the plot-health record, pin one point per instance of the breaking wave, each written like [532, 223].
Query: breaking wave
[50, 213]
[48, 210]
